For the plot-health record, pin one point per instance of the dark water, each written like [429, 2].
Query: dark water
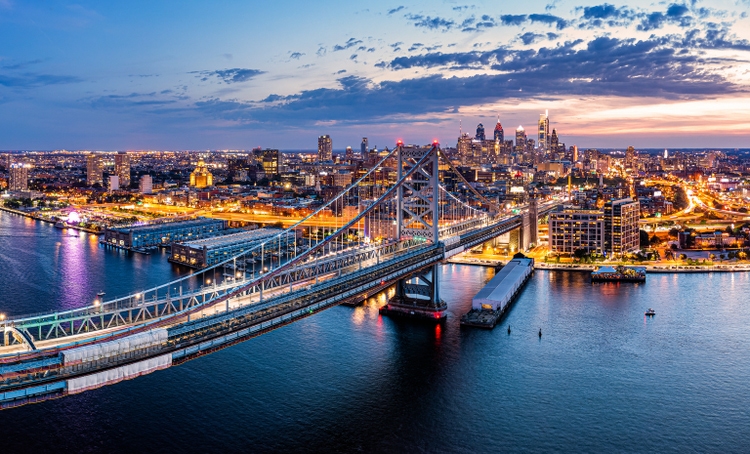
[601, 379]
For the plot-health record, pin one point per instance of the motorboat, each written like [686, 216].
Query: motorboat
[650, 312]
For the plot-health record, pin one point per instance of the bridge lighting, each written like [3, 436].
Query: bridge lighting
[399, 142]
[2, 317]
[97, 302]
[208, 281]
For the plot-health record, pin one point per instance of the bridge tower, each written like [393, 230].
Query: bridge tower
[529, 234]
[417, 214]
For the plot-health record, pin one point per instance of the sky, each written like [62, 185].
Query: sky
[239, 74]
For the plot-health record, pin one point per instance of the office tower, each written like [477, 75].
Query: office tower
[146, 185]
[325, 148]
[122, 169]
[499, 134]
[94, 171]
[554, 142]
[543, 139]
[630, 158]
[201, 177]
[349, 154]
[480, 132]
[19, 177]
[271, 161]
[520, 139]
[114, 183]
[621, 232]
[364, 147]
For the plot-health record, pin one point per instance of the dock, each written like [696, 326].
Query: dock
[492, 302]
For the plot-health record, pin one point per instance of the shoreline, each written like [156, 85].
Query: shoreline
[661, 268]
[41, 219]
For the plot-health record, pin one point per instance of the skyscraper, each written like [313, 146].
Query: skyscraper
[349, 154]
[271, 161]
[325, 148]
[364, 147]
[554, 142]
[520, 139]
[19, 177]
[201, 177]
[122, 169]
[94, 172]
[499, 134]
[146, 185]
[543, 139]
[480, 132]
[630, 158]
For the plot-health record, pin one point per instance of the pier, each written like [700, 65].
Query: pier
[493, 301]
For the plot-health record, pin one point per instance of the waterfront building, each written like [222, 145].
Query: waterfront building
[201, 177]
[210, 251]
[573, 229]
[94, 170]
[146, 185]
[621, 232]
[325, 148]
[143, 236]
[122, 169]
[19, 177]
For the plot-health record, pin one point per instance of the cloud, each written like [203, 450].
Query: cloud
[229, 76]
[395, 10]
[33, 80]
[133, 100]
[296, 55]
[433, 23]
[351, 42]
[475, 25]
[513, 19]
[675, 14]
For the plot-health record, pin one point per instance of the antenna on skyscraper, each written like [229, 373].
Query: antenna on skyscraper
[460, 128]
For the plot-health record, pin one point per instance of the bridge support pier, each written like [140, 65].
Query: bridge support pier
[418, 297]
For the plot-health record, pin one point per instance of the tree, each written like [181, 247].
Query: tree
[742, 255]
[580, 253]
[655, 240]
[674, 232]
[644, 239]
[683, 256]
[730, 230]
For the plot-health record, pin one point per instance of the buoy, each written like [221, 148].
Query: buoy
[508, 329]
[540, 333]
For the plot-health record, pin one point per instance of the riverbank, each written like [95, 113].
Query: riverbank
[651, 268]
[49, 221]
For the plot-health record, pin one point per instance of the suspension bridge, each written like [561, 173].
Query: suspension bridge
[406, 224]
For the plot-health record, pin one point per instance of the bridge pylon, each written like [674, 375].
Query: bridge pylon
[418, 216]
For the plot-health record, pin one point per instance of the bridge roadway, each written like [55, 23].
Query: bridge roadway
[40, 374]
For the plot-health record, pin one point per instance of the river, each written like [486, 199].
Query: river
[601, 379]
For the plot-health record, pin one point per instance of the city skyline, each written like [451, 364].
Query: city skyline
[171, 76]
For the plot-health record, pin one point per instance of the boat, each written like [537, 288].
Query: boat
[650, 312]
[619, 274]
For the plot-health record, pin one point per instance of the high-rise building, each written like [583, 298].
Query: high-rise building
[201, 177]
[573, 229]
[554, 142]
[114, 183]
[94, 170]
[146, 185]
[520, 139]
[480, 132]
[325, 148]
[19, 177]
[543, 138]
[122, 169]
[621, 232]
[464, 147]
[499, 134]
[630, 158]
[271, 161]
[364, 147]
